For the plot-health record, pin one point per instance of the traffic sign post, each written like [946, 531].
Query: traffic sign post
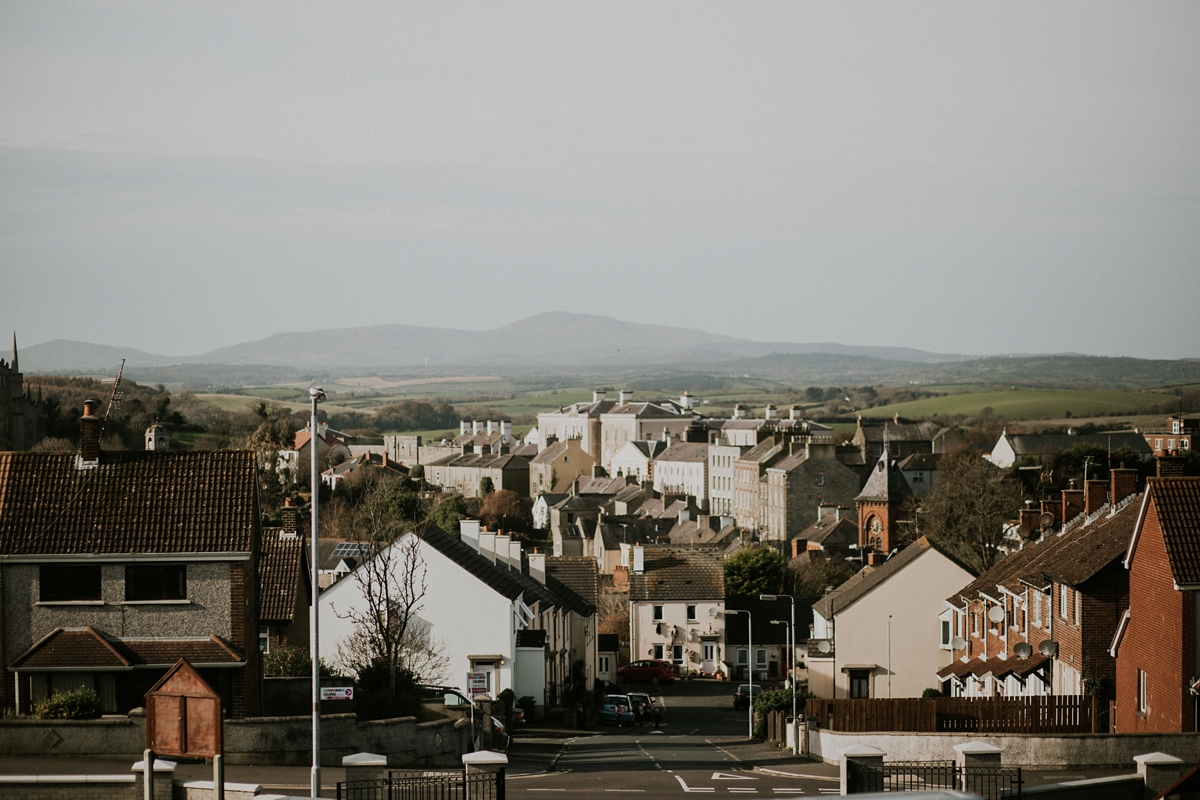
[337, 692]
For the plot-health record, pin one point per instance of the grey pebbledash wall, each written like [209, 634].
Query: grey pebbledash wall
[278, 741]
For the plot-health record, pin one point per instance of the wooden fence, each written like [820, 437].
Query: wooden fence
[1049, 714]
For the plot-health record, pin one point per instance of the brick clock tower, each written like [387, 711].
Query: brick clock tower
[879, 505]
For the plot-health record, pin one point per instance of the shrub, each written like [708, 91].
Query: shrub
[375, 698]
[932, 692]
[77, 704]
[778, 700]
[291, 662]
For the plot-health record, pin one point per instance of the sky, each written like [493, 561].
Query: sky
[972, 178]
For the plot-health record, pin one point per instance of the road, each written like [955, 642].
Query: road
[702, 748]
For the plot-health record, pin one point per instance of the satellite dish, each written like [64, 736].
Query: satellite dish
[824, 646]
[1023, 650]
[1048, 648]
[996, 614]
[958, 643]
[1024, 531]
[1046, 520]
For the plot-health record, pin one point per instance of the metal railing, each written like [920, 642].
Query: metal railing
[990, 783]
[426, 785]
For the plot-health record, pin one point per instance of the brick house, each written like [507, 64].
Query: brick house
[1155, 645]
[113, 565]
[879, 505]
[1179, 436]
[1038, 621]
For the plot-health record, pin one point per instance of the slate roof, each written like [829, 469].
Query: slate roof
[550, 454]
[648, 410]
[763, 452]
[831, 531]
[674, 574]
[281, 574]
[1035, 443]
[502, 582]
[886, 484]
[601, 485]
[579, 573]
[920, 461]
[482, 460]
[90, 648]
[650, 448]
[134, 502]
[853, 590]
[685, 451]
[1177, 501]
[1071, 557]
[899, 431]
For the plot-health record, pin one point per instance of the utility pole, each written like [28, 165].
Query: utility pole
[317, 394]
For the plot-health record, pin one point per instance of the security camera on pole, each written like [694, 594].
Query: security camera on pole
[317, 394]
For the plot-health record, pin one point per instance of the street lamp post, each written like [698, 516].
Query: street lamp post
[791, 662]
[749, 661]
[317, 394]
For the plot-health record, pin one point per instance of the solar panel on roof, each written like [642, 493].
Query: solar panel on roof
[349, 549]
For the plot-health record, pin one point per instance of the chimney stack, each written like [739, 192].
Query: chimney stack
[491, 427]
[464, 428]
[739, 411]
[468, 533]
[89, 434]
[506, 429]
[1029, 518]
[795, 412]
[475, 427]
[798, 547]
[598, 395]
[1170, 466]
[639, 559]
[769, 411]
[537, 566]
[1124, 482]
[1072, 503]
[290, 519]
[626, 396]
[1095, 494]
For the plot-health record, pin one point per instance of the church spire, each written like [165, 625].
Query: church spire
[15, 368]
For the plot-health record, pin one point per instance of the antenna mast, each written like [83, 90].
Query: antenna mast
[114, 397]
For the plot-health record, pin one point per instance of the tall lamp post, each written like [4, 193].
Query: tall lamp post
[317, 394]
[749, 662]
[791, 660]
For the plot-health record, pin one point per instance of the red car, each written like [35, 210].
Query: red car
[653, 671]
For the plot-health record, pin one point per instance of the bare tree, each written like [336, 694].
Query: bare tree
[391, 580]
[423, 656]
[968, 507]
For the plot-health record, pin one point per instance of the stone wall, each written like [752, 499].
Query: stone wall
[1097, 750]
[257, 740]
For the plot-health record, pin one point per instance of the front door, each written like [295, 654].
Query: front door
[708, 658]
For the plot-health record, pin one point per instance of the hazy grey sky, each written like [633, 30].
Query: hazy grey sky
[960, 177]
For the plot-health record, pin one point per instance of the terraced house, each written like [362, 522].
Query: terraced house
[114, 565]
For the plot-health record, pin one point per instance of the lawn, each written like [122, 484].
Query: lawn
[1026, 404]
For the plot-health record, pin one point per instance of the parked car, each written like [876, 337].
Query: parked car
[617, 709]
[449, 696]
[648, 670]
[744, 694]
[650, 709]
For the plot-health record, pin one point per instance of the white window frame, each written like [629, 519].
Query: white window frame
[743, 656]
[1064, 600]
[657, 613]
[691, 613]
[1142, 693]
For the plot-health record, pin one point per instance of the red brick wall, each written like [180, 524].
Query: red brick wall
[7, 681]
[1065, 631]
[1159, 635]
[1105, 598]
[880, 510]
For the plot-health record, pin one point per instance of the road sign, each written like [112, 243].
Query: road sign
[337, 692]
[477, 682]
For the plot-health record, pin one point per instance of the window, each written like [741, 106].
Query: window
[1170, 444]
[1141, 690]
[743, 656]
[658, 652]
[149, 582]
[604, 662]
[1063, 598]
[1078, 607]
[760, 658]
[860, 683]
[945, 632]
[1184, 443]
[919, 477]
[1158, 444]
[691, 613]
[677, 653]
[63, 584]
[658, 613]
[264, 639]
[821, 479]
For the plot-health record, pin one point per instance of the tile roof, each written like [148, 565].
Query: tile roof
[502, 582]
[854, 590]
[1177, 501]
[1071, 557]
[578, 573]
[831, 531]
[134, 502]
[674, 574]
[65, 648]
[281, 576]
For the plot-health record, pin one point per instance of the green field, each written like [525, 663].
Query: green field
[240, 402]
[1026, 404]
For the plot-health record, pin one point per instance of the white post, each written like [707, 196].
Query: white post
[218, 777]
[317, 394]
[889, 632]
[148, 774]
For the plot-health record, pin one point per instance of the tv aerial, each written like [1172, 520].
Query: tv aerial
[115, 396]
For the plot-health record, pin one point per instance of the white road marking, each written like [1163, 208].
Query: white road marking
[797, 775]
[624, 790]
[725, 776]
[743, 789]
[687, 788]
[545, 790]
[789, 791]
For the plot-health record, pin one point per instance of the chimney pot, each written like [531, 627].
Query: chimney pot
[89, 434]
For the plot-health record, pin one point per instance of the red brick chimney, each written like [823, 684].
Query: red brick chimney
[798, 547]
[89, 433]
[289, 516]
[1095, 494]
[1053, 507]
[1169, 467]
[1072, 503]
[1029, 517]
[1124, 482]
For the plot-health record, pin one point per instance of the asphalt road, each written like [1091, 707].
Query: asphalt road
[701, 748]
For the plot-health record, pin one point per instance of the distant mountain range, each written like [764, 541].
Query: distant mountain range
[549, 340]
